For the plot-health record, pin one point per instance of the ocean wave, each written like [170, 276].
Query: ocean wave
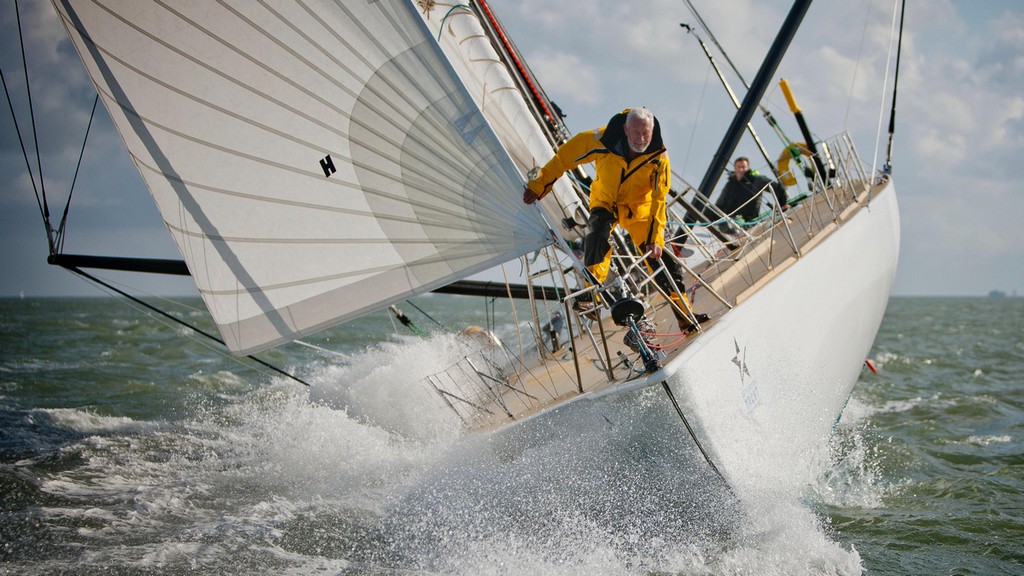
[89, 422]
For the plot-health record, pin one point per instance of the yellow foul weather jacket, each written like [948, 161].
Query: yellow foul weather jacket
[634, 191]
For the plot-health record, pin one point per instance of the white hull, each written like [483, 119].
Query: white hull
[764, 386]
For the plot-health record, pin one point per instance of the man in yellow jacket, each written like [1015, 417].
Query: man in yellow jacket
[629, 188]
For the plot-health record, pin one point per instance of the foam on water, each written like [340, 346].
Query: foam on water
[381, 387]
[368, 471]
[88, 422]
[850, 478]
[988, 440]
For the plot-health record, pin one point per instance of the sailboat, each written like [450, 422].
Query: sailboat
[318, 161]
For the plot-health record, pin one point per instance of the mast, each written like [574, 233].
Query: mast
[754, 95]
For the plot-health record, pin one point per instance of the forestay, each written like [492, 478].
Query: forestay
[313, 160]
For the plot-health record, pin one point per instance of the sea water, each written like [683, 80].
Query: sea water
[131, 445]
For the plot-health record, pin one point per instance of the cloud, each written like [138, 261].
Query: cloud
[1013, 126]
[1001, 66]
[567, 74]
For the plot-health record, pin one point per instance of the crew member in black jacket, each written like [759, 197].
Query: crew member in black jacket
[742, 192]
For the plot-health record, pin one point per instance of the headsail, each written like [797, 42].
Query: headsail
[468, 46]
[313, 160]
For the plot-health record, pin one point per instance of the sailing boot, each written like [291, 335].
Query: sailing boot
[586, 307]
[686, 326]
[646, 329]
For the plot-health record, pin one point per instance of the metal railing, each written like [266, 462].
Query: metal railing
[721, 269]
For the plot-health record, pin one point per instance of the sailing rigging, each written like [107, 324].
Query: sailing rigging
[314, 163]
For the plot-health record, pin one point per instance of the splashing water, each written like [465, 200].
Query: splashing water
[367, 472]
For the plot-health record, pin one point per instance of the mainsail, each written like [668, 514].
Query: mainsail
[313, 160]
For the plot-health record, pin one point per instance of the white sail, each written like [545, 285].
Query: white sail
[313, 160]
[468, 47]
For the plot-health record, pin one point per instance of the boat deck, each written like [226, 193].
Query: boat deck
[494, 399]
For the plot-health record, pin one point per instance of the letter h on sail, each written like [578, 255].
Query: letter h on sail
[328, 166]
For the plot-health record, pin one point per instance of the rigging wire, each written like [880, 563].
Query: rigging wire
[429, 317]
[170, 317]
[515, 316]
[885, 82]
[220, 351]
[519, 339]
[21, 141]
[700, 107]
[711, 35]
[790, 147]
[109, 290]
[735, 69]
[693, 435]
[887, 167]
[327, 351]
[67, 205]
[856, 68]
[35, 134]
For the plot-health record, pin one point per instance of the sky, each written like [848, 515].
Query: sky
[958, 141]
